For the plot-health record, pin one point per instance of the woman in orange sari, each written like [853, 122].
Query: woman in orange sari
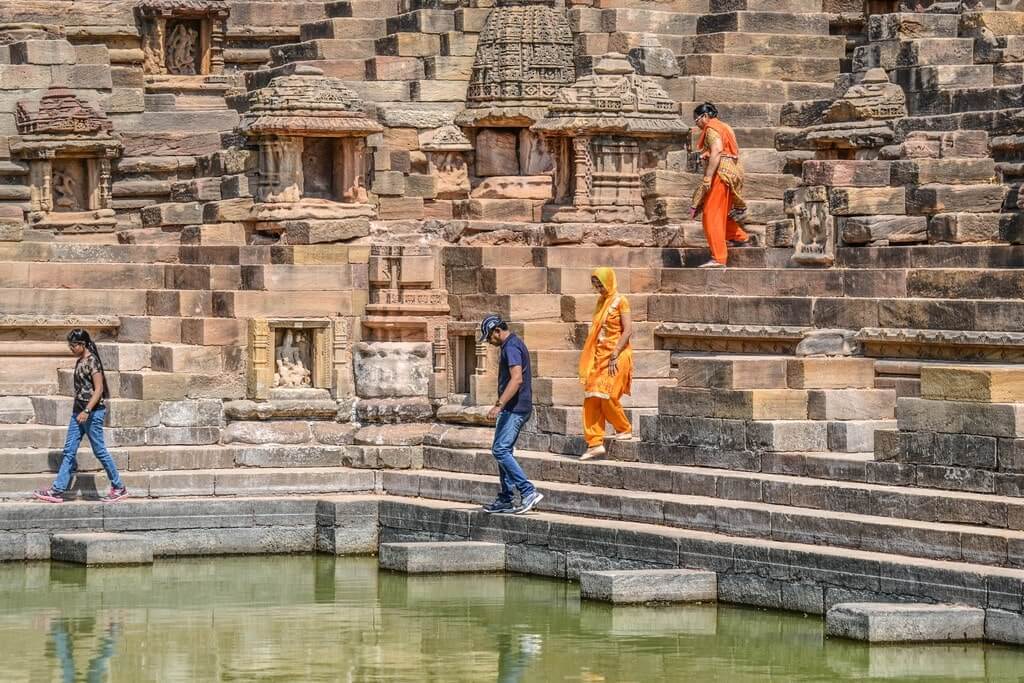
[606, 365]
[719, 193]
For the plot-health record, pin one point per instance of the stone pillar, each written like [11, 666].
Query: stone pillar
[261, 359]
[349, 170]
[103, 184]
[280, 170]
[218, 27]
[481, 358]
[40, 174]
[584, 166]
[341, 360]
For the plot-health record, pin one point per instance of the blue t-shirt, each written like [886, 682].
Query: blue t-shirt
[514, 352]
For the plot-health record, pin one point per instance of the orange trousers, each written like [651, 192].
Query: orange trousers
[718, 227]
[598, 411]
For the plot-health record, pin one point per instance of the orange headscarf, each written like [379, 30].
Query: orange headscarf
[611, 296]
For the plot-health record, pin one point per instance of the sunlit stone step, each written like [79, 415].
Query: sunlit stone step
[649, 585]
[439, 557]
[101, 548]
[904, 623]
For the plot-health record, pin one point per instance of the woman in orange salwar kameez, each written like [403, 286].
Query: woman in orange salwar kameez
[606, 365]
[719, 195]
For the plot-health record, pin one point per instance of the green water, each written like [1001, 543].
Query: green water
[318, 618]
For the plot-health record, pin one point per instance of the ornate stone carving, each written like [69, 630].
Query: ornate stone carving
[68, 146]
[311, 134]
[606, 116]
[183, 37]
[523, 57]
[290, 353]
[406, 300]
[447, 162]
[815, 231]
[873, 99]
[856, 125]
[293, 360]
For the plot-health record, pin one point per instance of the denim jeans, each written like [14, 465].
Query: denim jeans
[512, 477]
[93, 428]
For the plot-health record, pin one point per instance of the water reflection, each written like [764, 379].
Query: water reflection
[66, 637]
[340, 619]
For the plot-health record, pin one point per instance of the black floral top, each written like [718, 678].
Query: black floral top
[85, 368]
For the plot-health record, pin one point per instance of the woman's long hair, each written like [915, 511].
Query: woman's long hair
[706, 109]
[80, 336]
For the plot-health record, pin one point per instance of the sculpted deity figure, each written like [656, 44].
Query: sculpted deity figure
[291, 371]
[65, 195]
[181, 50]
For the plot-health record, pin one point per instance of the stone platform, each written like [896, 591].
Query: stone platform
[94, 549]
[443, 558]
[649, 585]
[904, 623]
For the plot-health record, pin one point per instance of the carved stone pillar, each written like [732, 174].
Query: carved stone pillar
[481, 358]
[341, 362]
[261, 362]
[218, 29]
[584, 166]
[280, 164]
[103, 184]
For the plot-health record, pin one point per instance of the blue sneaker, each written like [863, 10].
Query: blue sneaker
[499, 507]
[529, 502]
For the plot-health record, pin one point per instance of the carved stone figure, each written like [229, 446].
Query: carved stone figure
[604, 119]
[183, 37]
[65, 191]
[292, 359]
[181, 50]
[815, 232]
[447, 162]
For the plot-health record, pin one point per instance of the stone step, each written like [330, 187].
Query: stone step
[770, 574]
[877, 622]
[567, 421]
[98, 548]
[422, 21]
[361, 8]
[843, 313]
[519, 308]
[443, 557]
[203, 483]
[730, 372]
[646, 364]
[876, 489]
[321, 49]
[928, 540]
[567, 391]
[649, 585]
[16, 410]
[345, 28]
[791, 6]
[804, 69]
[32, 436]
[627, 20]
[744, 90]
[765, 22]
[103, 301]
[180, 358]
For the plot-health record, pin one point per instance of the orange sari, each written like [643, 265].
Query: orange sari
[602, 390]
[724, 194]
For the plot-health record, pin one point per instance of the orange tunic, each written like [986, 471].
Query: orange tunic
[724, 194]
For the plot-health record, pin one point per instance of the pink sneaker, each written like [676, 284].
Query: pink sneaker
[48, 495]
[115, 495]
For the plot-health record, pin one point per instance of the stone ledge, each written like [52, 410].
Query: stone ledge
[904, 623]
[649, 585]
[432, 557]
[101, 548]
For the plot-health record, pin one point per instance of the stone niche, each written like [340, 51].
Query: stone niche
[598, 129]
[288, 356]
[68, 146]
[311, 134]
[446, 162]
[183, 37]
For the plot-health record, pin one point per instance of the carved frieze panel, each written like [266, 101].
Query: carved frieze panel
[815, 230]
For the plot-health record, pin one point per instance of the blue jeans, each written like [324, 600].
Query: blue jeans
[93, 428]
[512, 477]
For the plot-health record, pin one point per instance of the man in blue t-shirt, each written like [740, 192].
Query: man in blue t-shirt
[511, 410]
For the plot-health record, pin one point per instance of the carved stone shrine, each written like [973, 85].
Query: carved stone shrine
[183, 37]
[68, 146]
[598, 128]
[311, 134]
